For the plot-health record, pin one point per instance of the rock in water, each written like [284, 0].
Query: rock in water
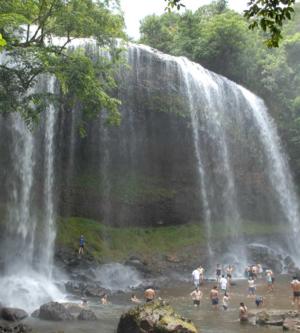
[15, 328]
[54, 311]
[13, 314]
[154, 317]
[87, 315]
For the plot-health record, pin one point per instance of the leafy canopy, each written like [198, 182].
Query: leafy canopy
[269, 15]
[27, 31]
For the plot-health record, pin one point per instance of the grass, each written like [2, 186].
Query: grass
[104, 242]
[117, 243]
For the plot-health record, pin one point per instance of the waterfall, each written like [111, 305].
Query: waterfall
[30, 235]
[193, 147]
[49, 210]
[235, 143]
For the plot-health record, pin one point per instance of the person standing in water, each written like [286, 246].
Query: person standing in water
[149, 295]
[214, 297]
[104, 299]
[270, 280]
[225, 301]
[223, 284]
[81, 245]
[201, 274]
[196, 277]
[251, 287]
[218, 273]
[229, 271]
[295, 285]
[196, 296]
[259, 301]
[243, 313]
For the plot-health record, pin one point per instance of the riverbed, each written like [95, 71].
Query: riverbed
[206, 319]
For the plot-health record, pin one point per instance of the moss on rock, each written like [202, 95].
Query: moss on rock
[155, 317]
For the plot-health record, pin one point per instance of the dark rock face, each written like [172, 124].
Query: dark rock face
[54, 311]
[18, 328]
[36, 313]
[266, 256]
[155, 317]
[87, 315]
[13, 314]
[92, 289]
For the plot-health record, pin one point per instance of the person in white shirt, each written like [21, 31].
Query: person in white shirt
[251, 287]
[223, 283]
[196, 277]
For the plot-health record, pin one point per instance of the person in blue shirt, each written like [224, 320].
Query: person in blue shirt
[81, 245]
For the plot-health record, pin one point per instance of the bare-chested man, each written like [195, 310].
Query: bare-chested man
[214, 296]
[295, 284]
[196, 296]
[149, 294]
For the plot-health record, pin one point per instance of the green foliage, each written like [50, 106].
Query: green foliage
[118, 243]
[29, 29]
[269, 15]
[2, 42]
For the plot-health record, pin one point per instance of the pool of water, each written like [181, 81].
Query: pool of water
[206, 319]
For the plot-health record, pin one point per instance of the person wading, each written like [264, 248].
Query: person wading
[295, 285]
[196, 296]
[214, 297]
[149, 294]
[243, 313]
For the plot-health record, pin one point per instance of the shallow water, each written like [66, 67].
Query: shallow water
[205, 318]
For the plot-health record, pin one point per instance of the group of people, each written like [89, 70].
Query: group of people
[224, 282]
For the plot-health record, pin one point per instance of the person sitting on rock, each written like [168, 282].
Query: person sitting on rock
[149, 294]
[134, 299]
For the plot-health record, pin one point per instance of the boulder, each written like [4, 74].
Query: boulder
[87, 314]
[154, 317]
[270, 318]
[291, 324]
[13, 314]
[54, 311]
[16, 328]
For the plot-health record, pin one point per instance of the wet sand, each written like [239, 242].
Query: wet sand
[205, 318]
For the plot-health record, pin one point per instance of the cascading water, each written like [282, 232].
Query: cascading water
[192, 146]
[29, 241]
[224, 117]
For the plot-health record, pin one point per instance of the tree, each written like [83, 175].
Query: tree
[269, 15]
[29, 29]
